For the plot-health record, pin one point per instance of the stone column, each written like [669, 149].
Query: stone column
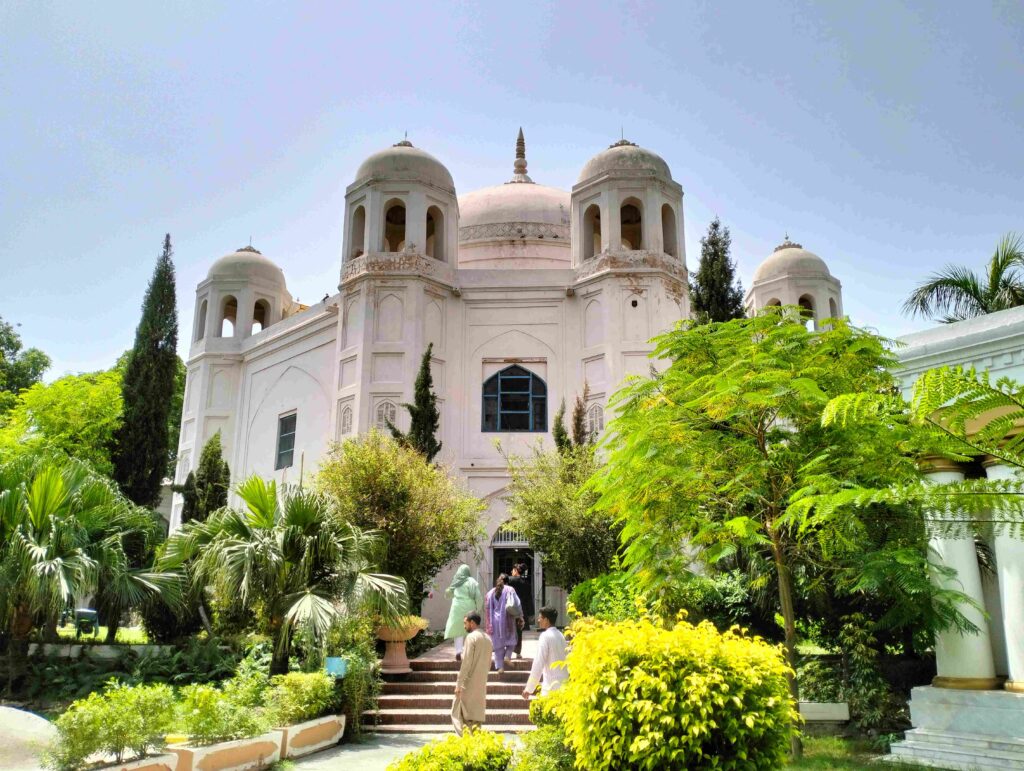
[1010, 569]
[963, 661]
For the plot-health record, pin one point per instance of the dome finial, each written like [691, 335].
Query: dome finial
[787, 244]
[519, 168]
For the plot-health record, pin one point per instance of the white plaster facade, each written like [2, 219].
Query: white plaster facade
[568, 285]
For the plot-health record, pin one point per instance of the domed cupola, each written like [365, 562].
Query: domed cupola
[792, 275]
[519, 224]
[402, 200]
[243, 294]
[626, 201]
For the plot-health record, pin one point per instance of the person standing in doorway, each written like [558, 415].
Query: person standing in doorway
[470, 707]
[550, 650]
[501, 608]
[464, 593]
[520, 581]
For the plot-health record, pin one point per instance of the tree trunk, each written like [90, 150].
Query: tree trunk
[50, 630]
[17, 648]
[113, 624]
[789, 624]
[279, 659]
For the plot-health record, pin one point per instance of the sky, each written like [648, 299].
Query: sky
[886, 137]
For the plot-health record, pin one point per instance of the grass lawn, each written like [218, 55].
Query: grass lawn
[132, 635]
[831, 752]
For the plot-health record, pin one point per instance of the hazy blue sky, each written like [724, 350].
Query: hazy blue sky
[886, 137]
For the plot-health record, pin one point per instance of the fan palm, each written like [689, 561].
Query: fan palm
[957, 293]
[63, 535]
[291, 556]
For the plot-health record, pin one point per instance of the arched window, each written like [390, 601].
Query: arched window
[775, 302]
[346, 420]
[435, 234]
[260, 316]
[358, 231]
[591, 231]
[631, 218]
[394, 225]
[668, 230]
[228, 316]
[833, 310]
[595, 421]
[387, 412]
[201, 321]
[515, 400]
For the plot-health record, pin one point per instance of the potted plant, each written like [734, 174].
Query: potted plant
[395, 635]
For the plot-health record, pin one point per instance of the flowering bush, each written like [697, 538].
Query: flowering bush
[650, 698]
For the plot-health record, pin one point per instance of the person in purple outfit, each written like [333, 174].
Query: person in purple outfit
[502, 608]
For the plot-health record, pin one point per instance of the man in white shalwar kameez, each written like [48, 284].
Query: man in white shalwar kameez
[550, 650]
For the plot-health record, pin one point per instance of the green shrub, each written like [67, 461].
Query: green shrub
[649, 698]
[249, 685]
[544, 750]
[477, 751]
[207, 715]
[300, 696]
[611, 597]
[119, 719]
[353, 638]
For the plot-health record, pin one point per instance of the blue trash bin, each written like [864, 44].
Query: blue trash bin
[336, 666]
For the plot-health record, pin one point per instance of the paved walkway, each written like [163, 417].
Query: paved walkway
[23, 735]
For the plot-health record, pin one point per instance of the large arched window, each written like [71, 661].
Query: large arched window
[806, 303]
[515, 400]
[346, 420]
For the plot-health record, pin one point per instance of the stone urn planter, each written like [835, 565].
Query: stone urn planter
[395, 636]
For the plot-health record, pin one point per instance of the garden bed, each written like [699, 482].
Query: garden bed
[239, 755]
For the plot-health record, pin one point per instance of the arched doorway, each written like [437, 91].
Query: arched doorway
[509, 548]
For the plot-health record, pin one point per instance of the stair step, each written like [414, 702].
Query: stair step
[445, 676]
[444, 701]
[442, 665]
[445, 688]
[443, 728]
[404, 717]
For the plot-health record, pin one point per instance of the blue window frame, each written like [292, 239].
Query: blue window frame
[515, 400]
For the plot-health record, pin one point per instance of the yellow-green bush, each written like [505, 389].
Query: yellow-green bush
[644, 697]
[478, 751]
[300, 696]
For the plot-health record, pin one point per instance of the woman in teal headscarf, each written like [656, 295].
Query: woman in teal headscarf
[465, 596]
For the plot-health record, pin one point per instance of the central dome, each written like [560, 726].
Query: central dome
[405, 162]
[514, 211]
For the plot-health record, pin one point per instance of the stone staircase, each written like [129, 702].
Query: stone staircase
[421, 701]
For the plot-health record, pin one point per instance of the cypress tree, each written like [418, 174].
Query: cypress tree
[141, 446]
[716, 293]
[213, 478]
[206, 489]
[579, 418]
[562, 441]
[423, 412]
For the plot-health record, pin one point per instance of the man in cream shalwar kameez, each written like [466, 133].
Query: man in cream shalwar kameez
[469, 709]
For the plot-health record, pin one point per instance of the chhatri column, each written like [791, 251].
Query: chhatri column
[963, 660]
[1010, 569]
